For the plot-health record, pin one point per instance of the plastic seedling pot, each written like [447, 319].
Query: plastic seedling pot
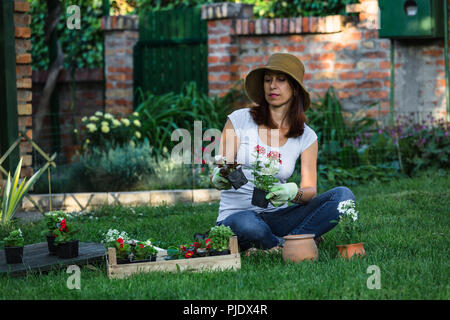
[259, 198]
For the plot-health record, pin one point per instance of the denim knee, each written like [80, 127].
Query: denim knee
[343, 194]
[247, 228]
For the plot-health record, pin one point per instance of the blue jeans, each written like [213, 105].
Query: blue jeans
[265, 230]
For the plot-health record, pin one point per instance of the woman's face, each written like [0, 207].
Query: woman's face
[277, 89]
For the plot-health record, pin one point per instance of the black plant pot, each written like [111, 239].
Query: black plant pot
[224, 252]
[259, 198]
[237, 178]
[213, 252]
[123, 261]
[201, 253]
[51, 244]
[67, 250]
[149, 259]
[14, 254]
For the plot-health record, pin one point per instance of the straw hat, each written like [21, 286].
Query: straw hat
[284, 62]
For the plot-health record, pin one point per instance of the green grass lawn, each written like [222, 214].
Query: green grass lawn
[406, 235]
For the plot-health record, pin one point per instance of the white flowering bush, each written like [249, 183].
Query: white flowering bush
[104, 130]
[349, 227]
[110, 237]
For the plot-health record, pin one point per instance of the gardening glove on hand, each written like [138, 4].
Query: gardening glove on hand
[282, 193]
[218, 181]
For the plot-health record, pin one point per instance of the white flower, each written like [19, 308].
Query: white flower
[91, 127]
[138, 134]
[135, 114]
[137, 123]
[98, 113]
[112, 235]
[347, 207]
[132, 144]
[126, 122]
[93, 118]
[344, 205]
[105, 123]
[84, 119]
[105, 129]
[109, 116]
[116, 123]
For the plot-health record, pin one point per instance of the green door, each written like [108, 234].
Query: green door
[172, 50]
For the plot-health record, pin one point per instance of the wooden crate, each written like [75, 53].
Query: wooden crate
[230, 261]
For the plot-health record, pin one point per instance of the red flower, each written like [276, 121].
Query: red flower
[208, 243]
[197, 245]
[182, 248]
[141, 245]
[189, 254]
[62, 225]
[120, 240]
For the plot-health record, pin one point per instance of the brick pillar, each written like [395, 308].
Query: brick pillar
[121, 34]
[223, 48]
[22, 35]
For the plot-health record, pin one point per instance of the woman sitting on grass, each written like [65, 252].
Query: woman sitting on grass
[276, 124]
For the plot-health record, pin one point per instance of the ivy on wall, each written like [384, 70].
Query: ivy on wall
[261, 9]
[82, 47]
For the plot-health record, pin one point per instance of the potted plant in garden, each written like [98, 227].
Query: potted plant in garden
[144, 251]
[51, 220]
[203, 247]
[66, 245]
[14, 191]
[232, 172]
[119, 240]
[220, 239]
[263, 174]
[14, 247]
[349, 228]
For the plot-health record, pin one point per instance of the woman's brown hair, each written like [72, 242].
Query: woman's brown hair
[296, 115]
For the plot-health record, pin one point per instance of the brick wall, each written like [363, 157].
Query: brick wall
[88, 98]
[22, 34]
[338, 51]
[121, 34]
[345, 53]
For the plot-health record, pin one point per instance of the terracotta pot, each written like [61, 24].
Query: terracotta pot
[349, 250]
[299, 247]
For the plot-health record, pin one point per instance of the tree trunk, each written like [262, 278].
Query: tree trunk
[54, 13]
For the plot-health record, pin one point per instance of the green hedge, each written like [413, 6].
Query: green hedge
[82, 48]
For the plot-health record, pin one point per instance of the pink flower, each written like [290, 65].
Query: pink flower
[260, 149]
[274, 155]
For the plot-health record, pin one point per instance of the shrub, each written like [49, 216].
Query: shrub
[122, 168]
[263, 8]
[162, 114]
[104, 131]
[82, 48]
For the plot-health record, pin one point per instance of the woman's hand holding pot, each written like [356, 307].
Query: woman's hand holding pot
[282, 193]
[218, 181]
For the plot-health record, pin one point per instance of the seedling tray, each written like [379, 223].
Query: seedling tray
[230, 261]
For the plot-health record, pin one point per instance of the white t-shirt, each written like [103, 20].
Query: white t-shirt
[232, 201]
